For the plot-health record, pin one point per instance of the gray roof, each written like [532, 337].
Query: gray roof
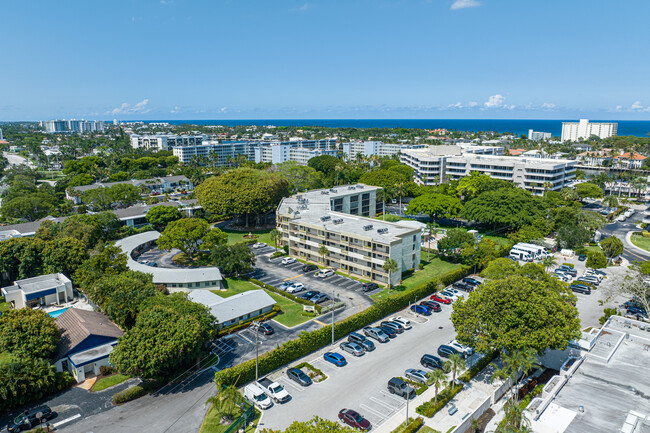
[134, 182]
[164, 275]
[37, 284]
[29, 229]
[226, 309]
[76, 325]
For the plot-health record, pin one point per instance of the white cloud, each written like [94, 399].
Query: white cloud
[456, 105]
[302, 8]
[637, 106]
[472, 103]
[548, 106]
[464, 4]
[125, 108]
[495, 101]
[176, 109]
[166, 2]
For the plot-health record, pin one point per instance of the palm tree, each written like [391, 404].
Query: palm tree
[475, 424]
[338, 169]
[549, 262]
[275, 237]
[225, 401]
[390, 266]
[547, 186]
[515, 421]
[431, 229]
[438, 378]
[384, 195]
[455, 364]
[610, 201]
[569, 194]
[400, 190]
[323, 251]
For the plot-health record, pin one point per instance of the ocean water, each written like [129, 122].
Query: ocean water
[639, 128]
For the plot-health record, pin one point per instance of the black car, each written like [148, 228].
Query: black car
[465, 287]
[445, 351]
[388, 331]
[471, 281]
[432, 305]
[568, 270]
[298, 376]
[309, 267]
[582, 257]
[579, 288]
[636, 311]
[29, 419]
[309, 294]
[430, 361]
[368, 287]
[395, 326]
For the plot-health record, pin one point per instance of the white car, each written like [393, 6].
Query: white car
[288, 260]
[466, 351]
[455, 292]
[324, 273]
[259, 245]
[296, 287]
[285, 286]
[406, 323]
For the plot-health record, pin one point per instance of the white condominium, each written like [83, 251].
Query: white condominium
[537, 136]
[164, 141]
[574, 131]
[340, 219]
[277, 153]
[73, 125]
[375, 148]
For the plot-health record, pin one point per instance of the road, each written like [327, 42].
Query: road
[17, 159]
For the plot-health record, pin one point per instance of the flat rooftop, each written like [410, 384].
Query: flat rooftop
[37, 284]
[610, 391]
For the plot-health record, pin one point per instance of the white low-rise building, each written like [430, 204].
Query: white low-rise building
[234, 309]
[39, 291]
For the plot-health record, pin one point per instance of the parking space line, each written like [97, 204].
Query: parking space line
[374, 412]
[286, 382]
[246, 340]
[57, 424]
[389, 395]
[383, 403]
[319, 322]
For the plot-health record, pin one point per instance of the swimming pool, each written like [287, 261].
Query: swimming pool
[57, 313]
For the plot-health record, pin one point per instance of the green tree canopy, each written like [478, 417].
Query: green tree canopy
[435, 205]
[243, 192]
[384, 178]
[512, 207]
[160, 216]
[233, 259]
[299, 177]
[572, 236]
[21, 258]
[588, 189]
[29, 207]
[111, 260]
[64, 254]
[596, 260]
[476, 183]
[191, 235]
[454, 242]
[326, 164]
[612, 247]
[28, 333]
[517, 312]
[315, 425]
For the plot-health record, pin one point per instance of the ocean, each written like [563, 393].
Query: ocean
[639, 128]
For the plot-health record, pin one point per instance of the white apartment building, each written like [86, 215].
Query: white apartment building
[73, 125]
[277, 153]
[1, 137]
[339, 219]
[441, 163]
[574, 131]
[375, 148]
[212, 150]
[537, 136]
[164, 141]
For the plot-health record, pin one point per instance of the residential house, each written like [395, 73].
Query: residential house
[39, 291]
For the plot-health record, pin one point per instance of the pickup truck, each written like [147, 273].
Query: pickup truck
[277, 393]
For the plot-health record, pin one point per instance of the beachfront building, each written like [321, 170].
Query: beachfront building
[574, 131]
[277, 153]
[537, 136]
[39, 291]
[341, 220]
[164, 141]
[73, 125]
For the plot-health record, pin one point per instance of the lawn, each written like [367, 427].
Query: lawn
[591, 249]
[235, 236]
[291, 314]
[200, 260]
[432, 269]
[108, 381]
[211, 422]
[641, 242]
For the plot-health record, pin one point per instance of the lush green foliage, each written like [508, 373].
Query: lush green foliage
[512, 207]
[612, 247]
[587, 189]
[135, 391]
[452, 244]
[64, 255]
[435, 206]
[234, 259]
[160, 216]
[122, 194]
[109, 261]
[28, 333]
[315, 425]
[430, 408]
[384, 178]
[596, 260]
[191, 235]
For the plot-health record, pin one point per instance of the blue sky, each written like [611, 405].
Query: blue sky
[275, 59]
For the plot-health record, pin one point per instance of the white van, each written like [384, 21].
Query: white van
[517, 254]
[537, 251]
[256, 395]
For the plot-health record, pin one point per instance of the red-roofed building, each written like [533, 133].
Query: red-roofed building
[630, 160]
[516, 152]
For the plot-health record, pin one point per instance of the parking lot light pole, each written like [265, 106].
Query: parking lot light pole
[408, 397]
[257, 354]
[332, 317]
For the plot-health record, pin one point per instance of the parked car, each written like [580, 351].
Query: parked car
[421, 309]
[455, 292]
[445, 350]
[431, 305]
[449, 295]
[440, 298]
[472, 281]
[354, 420]
[274, 390]
[465, 350]
[591, 280]
[285, 286]
[568, 270]
[465, 287]
[637, 311]
[376, 333]
[263, 328]
[256, 395]
[352, 348]
[591, 273]
[389, 331]
[579, 288]
[430, 361]
[298, 376]
[399, 387]
[368, 287]
[320, 298]
[28, 419]
[406, 323]
[393, 325]
[324, 273]
[288, 260]
[296, 287]
[335, 358]
[582, 257]
[309, 267]
[309, 294]
[259, 245]
[362, 341]
[416, 375]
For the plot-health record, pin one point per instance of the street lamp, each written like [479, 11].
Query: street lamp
[257, 350]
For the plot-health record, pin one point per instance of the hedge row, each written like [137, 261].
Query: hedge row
[309, 342]
[480, 365]
[291, 296]
[414, 426]
[266, 316]
[429, 409]
[135, 391]
[419, 387]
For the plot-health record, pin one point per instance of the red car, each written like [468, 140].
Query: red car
[353, 419]
[437, 298]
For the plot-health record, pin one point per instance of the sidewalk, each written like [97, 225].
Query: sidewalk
[476, 393]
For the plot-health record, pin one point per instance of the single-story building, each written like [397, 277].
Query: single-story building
[87, 339]
[156, 184]
[39, 291]
[234, 309]
[178, 279]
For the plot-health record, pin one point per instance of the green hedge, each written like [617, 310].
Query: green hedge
[135, 391]
[316, 371]
[414, 426]
[419, 387]
[429, 409]
[291, 296]
[480, 365]
[309, 342]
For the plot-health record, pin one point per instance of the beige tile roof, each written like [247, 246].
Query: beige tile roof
[76, 325]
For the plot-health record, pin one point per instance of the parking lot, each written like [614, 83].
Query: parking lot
[361, 385]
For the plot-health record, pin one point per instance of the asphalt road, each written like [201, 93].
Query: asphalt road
[17, 159]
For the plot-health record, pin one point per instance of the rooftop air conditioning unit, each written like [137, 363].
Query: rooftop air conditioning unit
[368, 227]
[325, 218]
[382, 231]
[332, 190]
[338, 221]
[324, 192]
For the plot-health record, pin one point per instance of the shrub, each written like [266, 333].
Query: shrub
[645, 234]
[277, 254]
[135, 391]
[478, 366]
[420, 266]
[105, 370]
[596, 260]
[392, 218]
[570, 265]
[314, 371]
[429, 409]
[419, 387]
[239, 326]
[414, 426]
[407, 273]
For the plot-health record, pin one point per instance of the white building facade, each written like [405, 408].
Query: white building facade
[375, 148]
[538, 136]
[73, 125]
[574, 131]
[164, 141]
